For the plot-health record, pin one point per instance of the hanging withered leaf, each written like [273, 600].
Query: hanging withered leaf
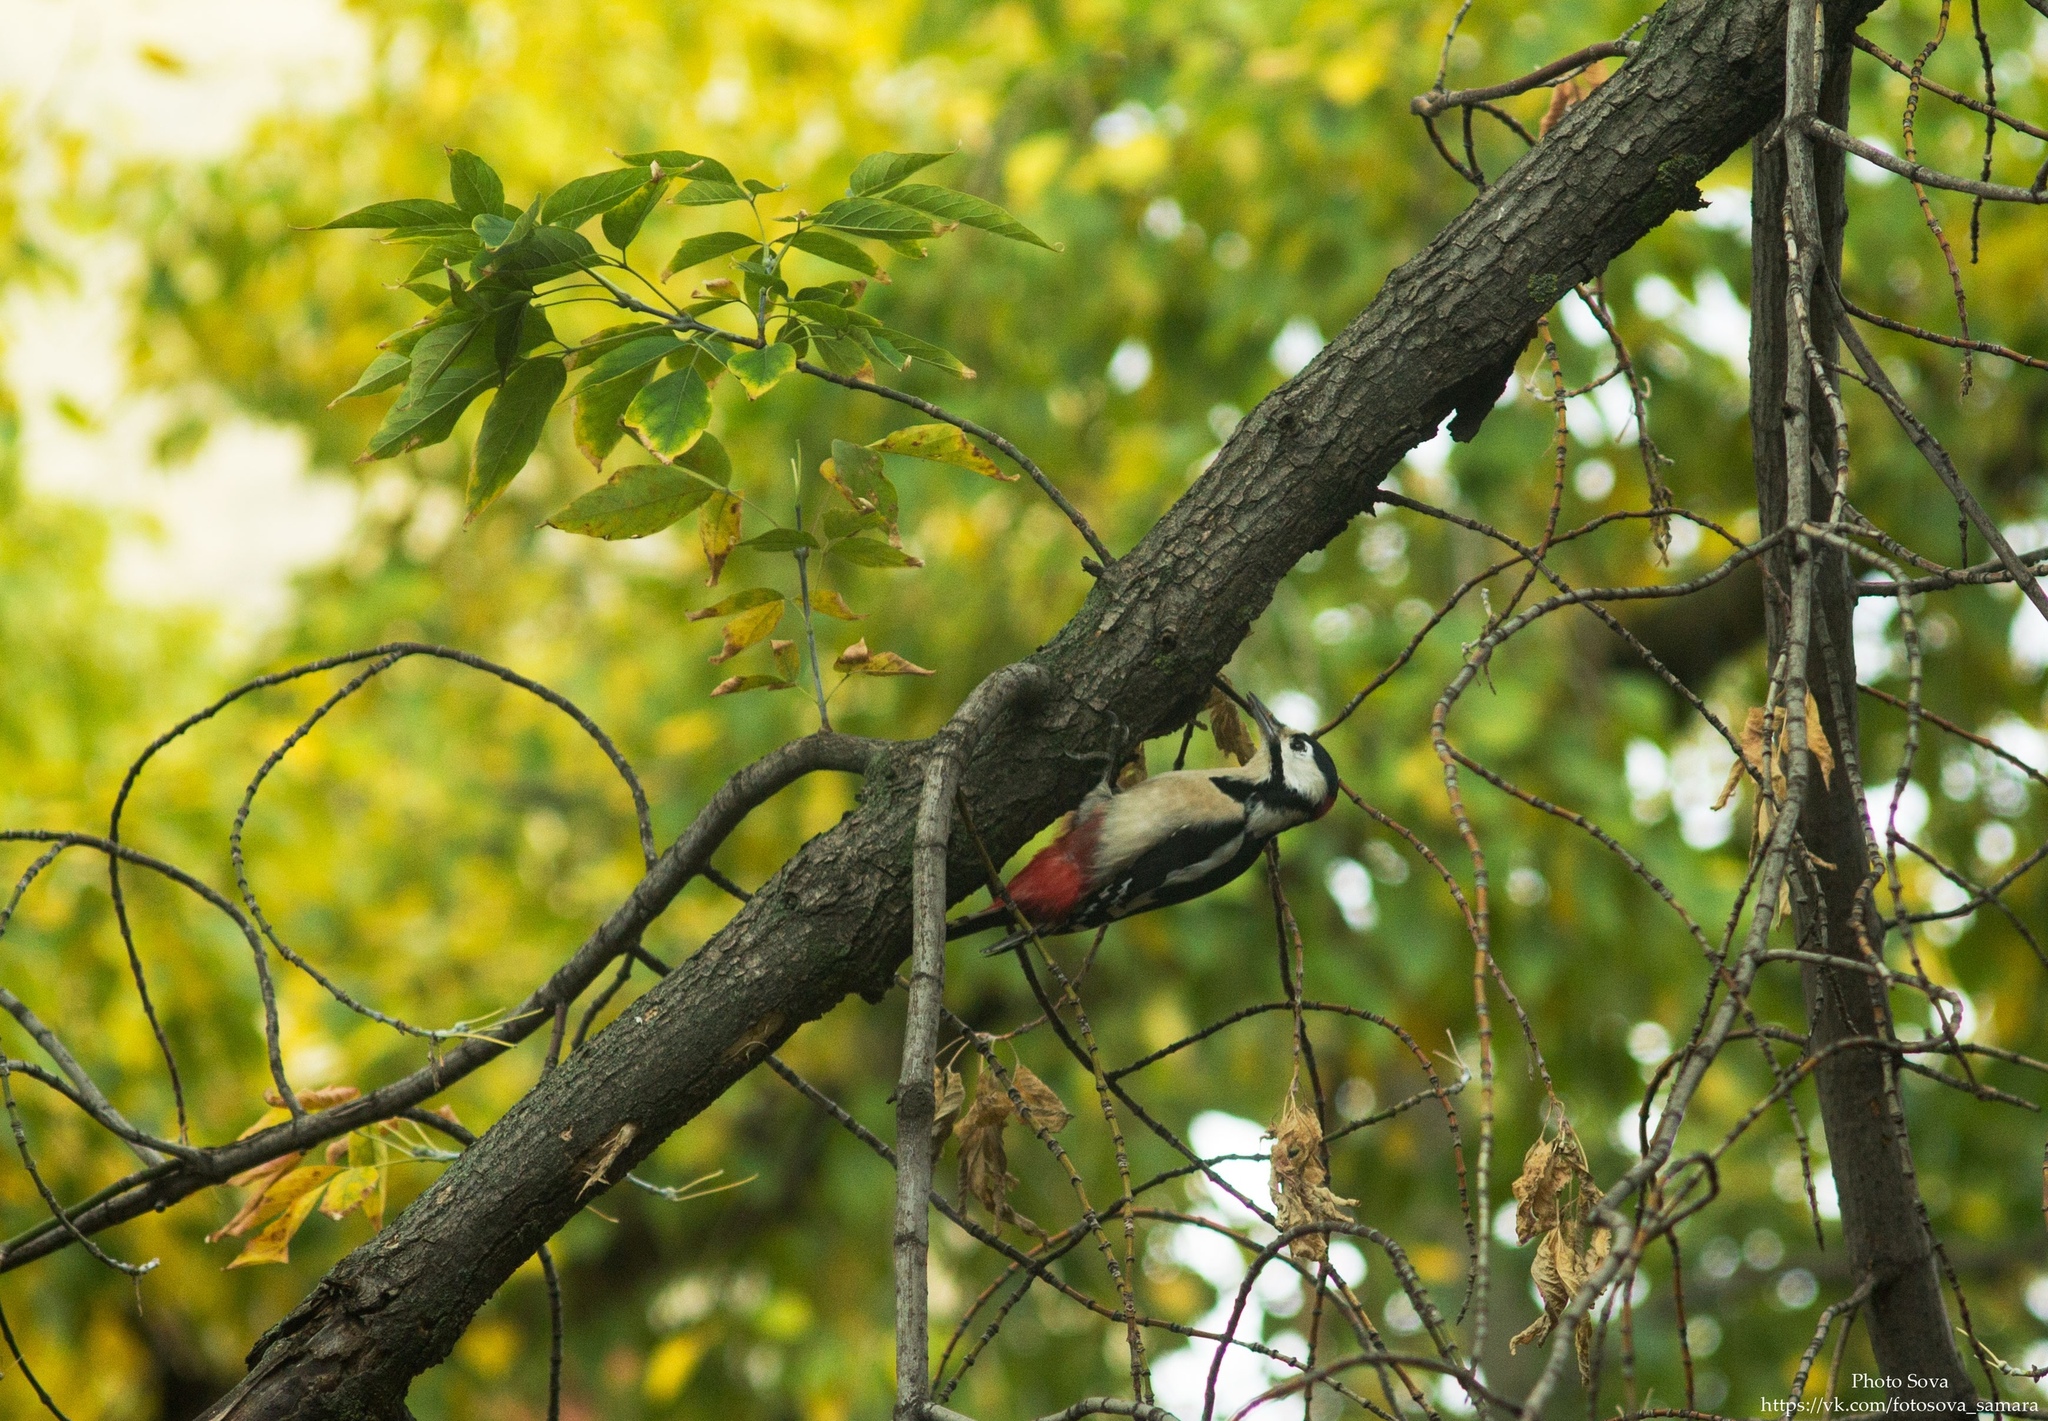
[1226, 728]
[1299, 1183]
[1572, 92]
[984, 1164]
[1552, 1196]
[1043, 1108]
[949, 1093]
[1759, 727]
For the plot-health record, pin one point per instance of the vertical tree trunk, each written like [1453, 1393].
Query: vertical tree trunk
[1881, 1227]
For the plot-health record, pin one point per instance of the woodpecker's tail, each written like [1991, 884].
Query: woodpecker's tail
[1006, 944]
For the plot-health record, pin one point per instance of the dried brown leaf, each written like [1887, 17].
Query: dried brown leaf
[1570, 94]
[949, 1094]
[1043, 1108]
[1299, 1182]
[984, 1164]
[1226, 728]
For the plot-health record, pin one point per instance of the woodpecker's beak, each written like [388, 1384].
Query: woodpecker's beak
[1269, 728]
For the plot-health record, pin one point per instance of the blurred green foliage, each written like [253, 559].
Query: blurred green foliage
[1230, 182]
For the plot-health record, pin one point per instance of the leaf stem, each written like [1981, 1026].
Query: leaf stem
[803, 588]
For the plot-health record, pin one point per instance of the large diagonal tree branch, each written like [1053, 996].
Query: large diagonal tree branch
[1442, 335]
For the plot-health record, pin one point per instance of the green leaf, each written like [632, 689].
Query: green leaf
[942, 444]
[492, 228]
[406, 212]
[512, 428]
[836, 250]
[386, 370]
[426, 415]
[631, 355]
[871, 217]
[787, 659]
[580, 199]
[781, 540]
[611, 338]
[924, 350]
[599, 408]
[441, 348]
[872, 552]
[622, 223]
[676, 162]
[708, 193]
[738, 602]
[707, 459]
[733, 685]
[878, 172]
[671, 413]
[699, 249]
[843, 357]
[950, 206]
[609, 388]
[477, 189]
[634, 502]
[845, 522]
[541, 255]
[749, 627]
[759, 371]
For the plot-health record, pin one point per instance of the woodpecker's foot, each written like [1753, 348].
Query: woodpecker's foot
[1111, 760]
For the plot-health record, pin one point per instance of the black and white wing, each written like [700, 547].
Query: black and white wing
[1186, 864]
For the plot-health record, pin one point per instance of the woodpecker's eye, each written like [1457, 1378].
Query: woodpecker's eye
[1301, 742]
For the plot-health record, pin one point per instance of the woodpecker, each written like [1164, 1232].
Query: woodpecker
[1167, 839]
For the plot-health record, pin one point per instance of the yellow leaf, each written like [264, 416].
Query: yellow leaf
[718, 529]
[274, 1244]
[828, 603]
[854, 656]
[348, 1191]
[669, 1366]
[320, 1099]
[747, 628]
[888, 663]
[943, 444]
[275, 1196]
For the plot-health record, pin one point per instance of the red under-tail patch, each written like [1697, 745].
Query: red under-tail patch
[1050, 888]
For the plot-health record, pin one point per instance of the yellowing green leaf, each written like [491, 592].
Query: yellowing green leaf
[708, 458]
[733, 685]
[634, 502]
[737, 602]
[718, 529]
[747, 628]
[669, 414]
[828, 603]
[942, 444]
[274, 1243]
[872, 552]
[348, 1191]
[786, 659]
[888, 663]
[782, 540]
[512, 428]
[758, 371]
[622, 223]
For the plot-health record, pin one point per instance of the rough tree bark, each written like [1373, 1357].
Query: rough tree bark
[1142, 649]
[1881, 1226]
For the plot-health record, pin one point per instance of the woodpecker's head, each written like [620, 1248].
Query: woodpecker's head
[1300, 782]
